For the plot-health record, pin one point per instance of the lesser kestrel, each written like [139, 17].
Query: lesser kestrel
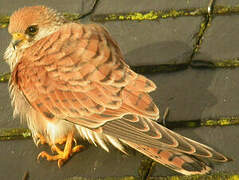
[71, 78]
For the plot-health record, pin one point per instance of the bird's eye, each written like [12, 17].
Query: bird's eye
[31, 30]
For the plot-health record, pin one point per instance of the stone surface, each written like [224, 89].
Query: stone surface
[93, 162]
[224, 87]
[4, 41]
[6, 118]
[70, 6]
[153, 42]
[195, 94]
[184, 92]
[227, 2]
[115, 6]
[220, 42]
[222, 139]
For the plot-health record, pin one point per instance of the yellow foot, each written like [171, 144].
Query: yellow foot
[62, 156]
[41, 140]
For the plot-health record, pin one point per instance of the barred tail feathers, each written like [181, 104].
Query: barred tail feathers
[174, 160]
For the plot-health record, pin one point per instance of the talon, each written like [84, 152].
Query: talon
[38, 142]
[42, 155]
[60, 163]
[75, 141]
[41, 140]
[62, 156]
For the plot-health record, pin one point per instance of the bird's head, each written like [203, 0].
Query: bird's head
[29, 24]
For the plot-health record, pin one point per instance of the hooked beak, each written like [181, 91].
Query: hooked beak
[17, 38]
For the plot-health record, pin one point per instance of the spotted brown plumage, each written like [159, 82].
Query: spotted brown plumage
[70, 79]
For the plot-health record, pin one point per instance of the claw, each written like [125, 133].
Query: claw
[62, 156]
[41, 140]
[75, 141]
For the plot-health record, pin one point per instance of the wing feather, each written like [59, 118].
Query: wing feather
[80, 71]
[78, 74]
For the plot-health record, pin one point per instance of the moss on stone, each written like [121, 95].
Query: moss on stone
[223, 10]
[151, 15]
[4, 77]
[72, 17]
[106, 178]
[4, 20]
[145, 167]
[14, 133]
[227, 63]
[199, 38]
[226, 121]
[218, 176]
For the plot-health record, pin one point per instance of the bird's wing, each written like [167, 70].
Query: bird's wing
[78, 74]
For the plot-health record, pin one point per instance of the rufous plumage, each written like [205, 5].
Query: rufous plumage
[70, 79]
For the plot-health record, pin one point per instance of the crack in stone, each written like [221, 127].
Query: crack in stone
[203, 28]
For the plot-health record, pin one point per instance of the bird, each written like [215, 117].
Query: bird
[71, 80]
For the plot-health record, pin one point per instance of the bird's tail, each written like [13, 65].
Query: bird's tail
[177, 161]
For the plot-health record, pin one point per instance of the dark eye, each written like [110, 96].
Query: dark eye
[31, 30]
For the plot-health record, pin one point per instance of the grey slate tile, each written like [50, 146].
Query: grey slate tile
[157, 42]
[70, 6]
[224, 87]
[184, 92]
[93, 162]
[123, 6]
[4, 41]
[195, 94]
[220, 42]
[222, 139]
[227, 2]
[6, 119]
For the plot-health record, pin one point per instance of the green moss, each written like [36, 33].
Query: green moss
[221, 122]
[151, 15]
[217, 176]
[234, 177]
[106, 178]
[228, 63]
[4, 20]
[72, 17]
[145, 167]
[4, 77]
[222, 10]
[14, 133]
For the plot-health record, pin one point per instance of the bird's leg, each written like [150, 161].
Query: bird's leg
[41, 140]
[62, 156]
